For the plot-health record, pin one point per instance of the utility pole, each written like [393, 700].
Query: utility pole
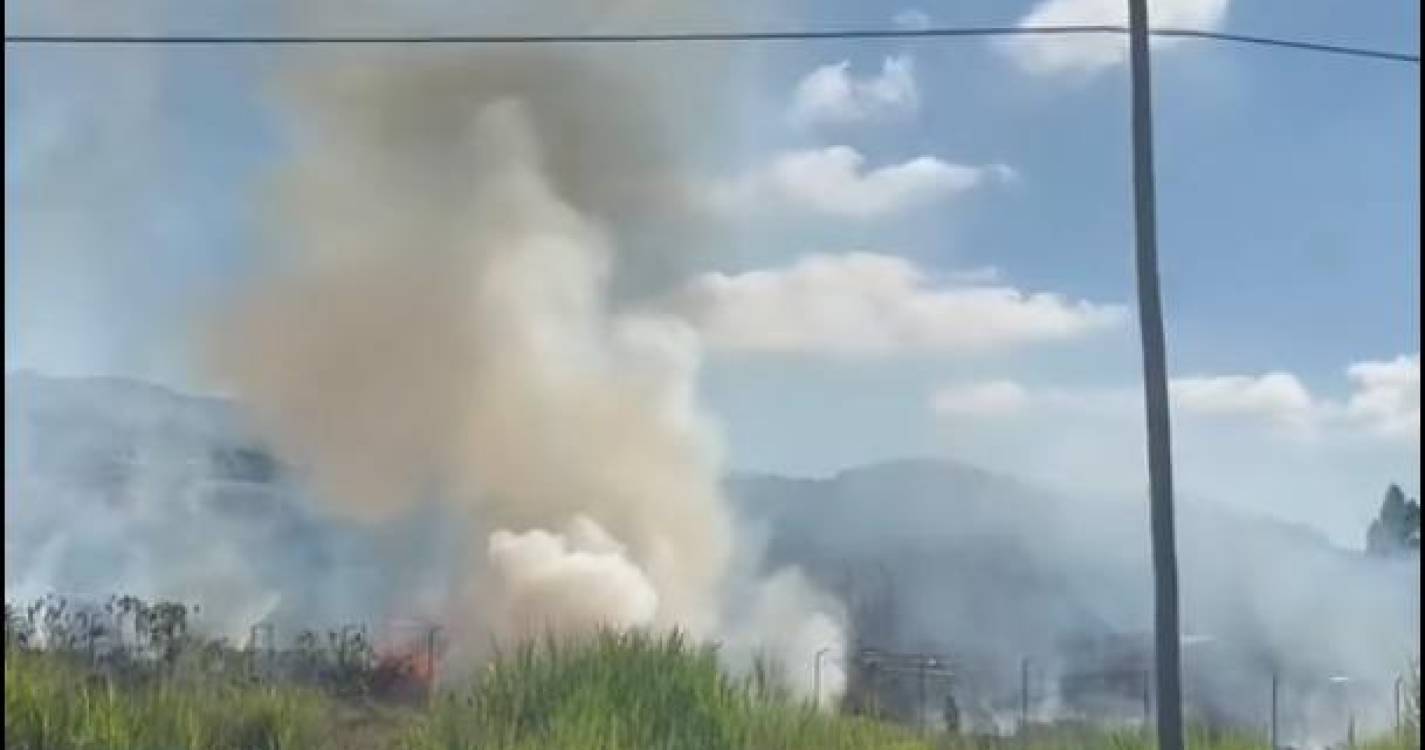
[1155, 386]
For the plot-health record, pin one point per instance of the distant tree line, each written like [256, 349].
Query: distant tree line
[1396, 529]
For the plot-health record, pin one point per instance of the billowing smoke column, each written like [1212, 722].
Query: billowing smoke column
[440, 331]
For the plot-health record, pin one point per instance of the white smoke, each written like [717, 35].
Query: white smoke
[444, 332]
[581, 579]
[788, 618]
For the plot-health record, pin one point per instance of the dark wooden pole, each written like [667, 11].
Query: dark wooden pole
[1167, 657]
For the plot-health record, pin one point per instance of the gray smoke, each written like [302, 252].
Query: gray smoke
[441, 330]
[940, 557]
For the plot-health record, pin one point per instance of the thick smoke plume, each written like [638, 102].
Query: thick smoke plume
[441, 331]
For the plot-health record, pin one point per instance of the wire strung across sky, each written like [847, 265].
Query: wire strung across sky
[730, 36]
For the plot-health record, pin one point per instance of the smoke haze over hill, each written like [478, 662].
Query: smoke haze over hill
[112, 485]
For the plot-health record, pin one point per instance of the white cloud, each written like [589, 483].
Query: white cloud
[993, 398]
[1086, 54]
[1258, 442]
[1384, 403]
[834, 181]
[1261, 442]
[1386, 400]
[912, 18]
[1277, 397]
[831, 95]
[864, 304]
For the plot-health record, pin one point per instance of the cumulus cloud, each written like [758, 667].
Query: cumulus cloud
[911, 18]
[834, 181]
[862, 304]
[1262, 442]
[1386, 399]
[993, 398]
[1277, 397]
[832, 95]
[1084, 54]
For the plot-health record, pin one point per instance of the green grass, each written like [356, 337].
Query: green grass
[52, 704]
[609, 691]
[637, 692]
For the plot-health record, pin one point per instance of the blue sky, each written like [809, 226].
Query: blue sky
[1288, 205]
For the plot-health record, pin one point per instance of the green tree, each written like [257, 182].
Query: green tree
[1396, 529]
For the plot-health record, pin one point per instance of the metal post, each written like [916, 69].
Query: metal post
[924, 663]
[430, 663]
[1350, 718]
[873, 674]
[1155, 386]
[1147, 700]
[1399, 727]
[816, 678]
[1343, 684]
[252, 651]
[1275, 736]
[1024, 696]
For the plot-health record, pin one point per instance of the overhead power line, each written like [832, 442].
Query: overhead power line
[1290, 44]
[681, 37]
